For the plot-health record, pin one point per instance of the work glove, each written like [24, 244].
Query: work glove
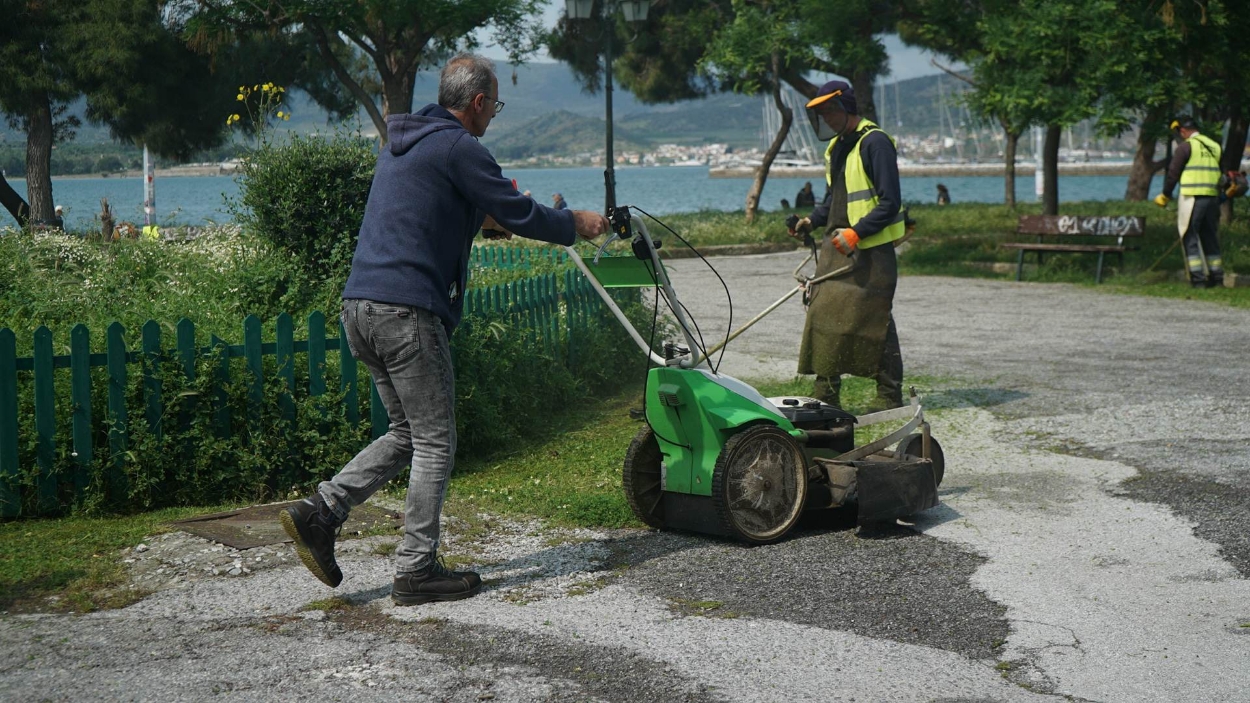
[798, 227]
[1162, 200]
[845, 241]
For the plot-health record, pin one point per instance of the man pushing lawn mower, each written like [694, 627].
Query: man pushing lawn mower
[434, 188]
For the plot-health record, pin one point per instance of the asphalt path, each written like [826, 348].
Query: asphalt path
[1090, 545]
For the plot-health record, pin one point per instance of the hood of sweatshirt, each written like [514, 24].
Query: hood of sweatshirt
[404, 131]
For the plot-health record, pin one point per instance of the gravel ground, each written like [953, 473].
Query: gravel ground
[1090, 546]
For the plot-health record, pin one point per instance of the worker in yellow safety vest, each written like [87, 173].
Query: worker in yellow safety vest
[1196, 166]
[850, 327]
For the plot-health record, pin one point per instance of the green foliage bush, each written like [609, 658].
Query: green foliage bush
[214, 280]
[508, 377]
[307, 198]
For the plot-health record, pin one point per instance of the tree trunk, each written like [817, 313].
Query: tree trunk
[761, 174]
[106, 220]
[1144, 167]
[14, 203]
[1050, 170]
[864, 84]
[1234, 149]
[1009, 167]
[397, 91]
[39, 160]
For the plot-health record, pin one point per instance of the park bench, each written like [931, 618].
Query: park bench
[1076, 234]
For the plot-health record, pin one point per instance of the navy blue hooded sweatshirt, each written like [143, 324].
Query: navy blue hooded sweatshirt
[433, 186]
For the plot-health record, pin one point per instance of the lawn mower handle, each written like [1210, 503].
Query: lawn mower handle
[642, 238]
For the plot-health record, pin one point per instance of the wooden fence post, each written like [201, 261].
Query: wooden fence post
[80, 396]
[151, 359]
[284, 352]
[379, 422]
[10, 499]
[317, 354]
[222, 350]
[118, 415]
[255, 364]
[186, 358]
[347, 378]
[45, 421]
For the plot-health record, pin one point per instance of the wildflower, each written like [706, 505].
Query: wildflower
[287, 117]
[239, 97]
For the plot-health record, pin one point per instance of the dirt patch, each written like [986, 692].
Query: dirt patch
[258, 525]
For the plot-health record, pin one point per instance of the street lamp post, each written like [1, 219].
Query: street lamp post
[634, 11]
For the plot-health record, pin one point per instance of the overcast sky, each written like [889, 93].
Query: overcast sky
[905, 62]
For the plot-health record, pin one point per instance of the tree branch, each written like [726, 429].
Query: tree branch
[366, 47]
[953, 72]
[14, 203]
[340, 72]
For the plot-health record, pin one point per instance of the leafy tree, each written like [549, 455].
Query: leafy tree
[134, 72]
[748, 55]
[373, 48]
[689, 48]
[955, 30]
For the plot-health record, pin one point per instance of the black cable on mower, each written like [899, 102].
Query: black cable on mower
[646, 372]
[728, 297]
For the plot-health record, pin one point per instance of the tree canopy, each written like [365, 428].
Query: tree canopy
[373, 48]
[124, 58]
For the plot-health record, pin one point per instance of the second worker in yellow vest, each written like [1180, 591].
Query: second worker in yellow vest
[1196, 167]
[849, 327]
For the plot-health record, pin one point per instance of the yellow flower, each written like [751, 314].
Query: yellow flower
[256, 87]
[239, 97]
[279, 114]
[287, 117]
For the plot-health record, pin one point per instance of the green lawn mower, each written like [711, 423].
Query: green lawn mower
[717, 457]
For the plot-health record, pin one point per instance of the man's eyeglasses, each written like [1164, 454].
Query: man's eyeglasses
[498, 104]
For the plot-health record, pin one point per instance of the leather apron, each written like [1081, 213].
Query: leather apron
[847, 316]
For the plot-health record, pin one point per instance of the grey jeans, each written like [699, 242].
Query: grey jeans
[406, 351]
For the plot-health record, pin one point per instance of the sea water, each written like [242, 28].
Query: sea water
[199, 200]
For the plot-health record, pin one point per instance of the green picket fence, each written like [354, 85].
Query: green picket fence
[505, 257]
[535, 304]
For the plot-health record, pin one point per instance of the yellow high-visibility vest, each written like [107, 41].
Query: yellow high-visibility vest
[861, 195]
[1202, 171]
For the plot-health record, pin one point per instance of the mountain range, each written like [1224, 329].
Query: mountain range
[547, 113]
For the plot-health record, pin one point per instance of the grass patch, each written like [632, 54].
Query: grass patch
[570, 477]
[386, 549]
[76, 559]
[327, 605]
[702, 608]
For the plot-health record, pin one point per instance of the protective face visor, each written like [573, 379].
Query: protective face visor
[828, 116]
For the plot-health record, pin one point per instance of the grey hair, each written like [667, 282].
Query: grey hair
[464, 76]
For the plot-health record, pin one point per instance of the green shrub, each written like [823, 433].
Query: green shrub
[509, 379]
[307, 197]
[214, 280]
